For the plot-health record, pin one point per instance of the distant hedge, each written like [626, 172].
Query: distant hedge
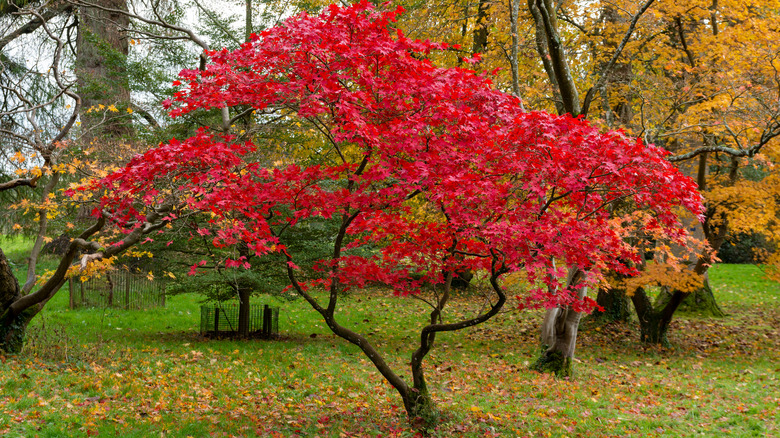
[744, 248]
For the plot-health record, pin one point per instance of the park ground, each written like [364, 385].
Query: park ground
[109, 372]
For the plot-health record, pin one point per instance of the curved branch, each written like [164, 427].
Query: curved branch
[34, 24]
[57, 279]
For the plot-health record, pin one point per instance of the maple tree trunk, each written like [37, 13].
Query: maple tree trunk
[559, 336]
[654, 321]
[559, 339]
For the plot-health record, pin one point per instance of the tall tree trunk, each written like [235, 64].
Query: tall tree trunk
[43, 226]
[481, 28]
[101, 68]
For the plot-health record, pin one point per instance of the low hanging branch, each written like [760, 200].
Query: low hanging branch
[19, 182]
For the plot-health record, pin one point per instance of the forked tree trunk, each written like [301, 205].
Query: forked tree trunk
[654, 321]
[559, 335]
[701, 301]
[417, 401]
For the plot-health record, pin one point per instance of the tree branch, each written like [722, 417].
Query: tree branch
[18, 182]
[34, 24]
[611, 64]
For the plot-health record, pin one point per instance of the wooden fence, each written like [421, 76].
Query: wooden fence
[119, 288]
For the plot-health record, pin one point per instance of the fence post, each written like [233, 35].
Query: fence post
[110, 281]
[71, 304]
[126, 274]
[216, 320]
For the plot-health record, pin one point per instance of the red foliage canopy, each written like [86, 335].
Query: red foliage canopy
[436, 168]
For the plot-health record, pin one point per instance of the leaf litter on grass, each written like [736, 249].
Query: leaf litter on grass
[184, 385]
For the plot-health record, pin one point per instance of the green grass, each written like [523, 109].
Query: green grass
[744, 285]
[149, 373]
[17, 250]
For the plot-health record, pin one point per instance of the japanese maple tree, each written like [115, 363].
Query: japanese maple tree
[433, 172]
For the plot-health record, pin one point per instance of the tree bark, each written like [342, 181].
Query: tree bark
[559, 334]
[654, 322]
[701, 301]
[616, 304]
[101, 68]
[481, 29]
[11, 328]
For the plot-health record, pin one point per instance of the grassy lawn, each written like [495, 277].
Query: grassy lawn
[149, 373]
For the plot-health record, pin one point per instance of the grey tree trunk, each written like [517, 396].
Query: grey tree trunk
[559, 335]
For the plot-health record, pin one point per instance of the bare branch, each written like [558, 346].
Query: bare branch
[18, 182]
[34, 24]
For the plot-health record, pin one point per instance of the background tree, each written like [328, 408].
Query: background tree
[40, 147]
[685, 79]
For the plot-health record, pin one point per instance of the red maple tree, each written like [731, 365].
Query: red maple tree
[436, 173]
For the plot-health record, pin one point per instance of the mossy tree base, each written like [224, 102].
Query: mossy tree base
[554, 362]
[701, 301]
[13, 331]
[653, 330]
